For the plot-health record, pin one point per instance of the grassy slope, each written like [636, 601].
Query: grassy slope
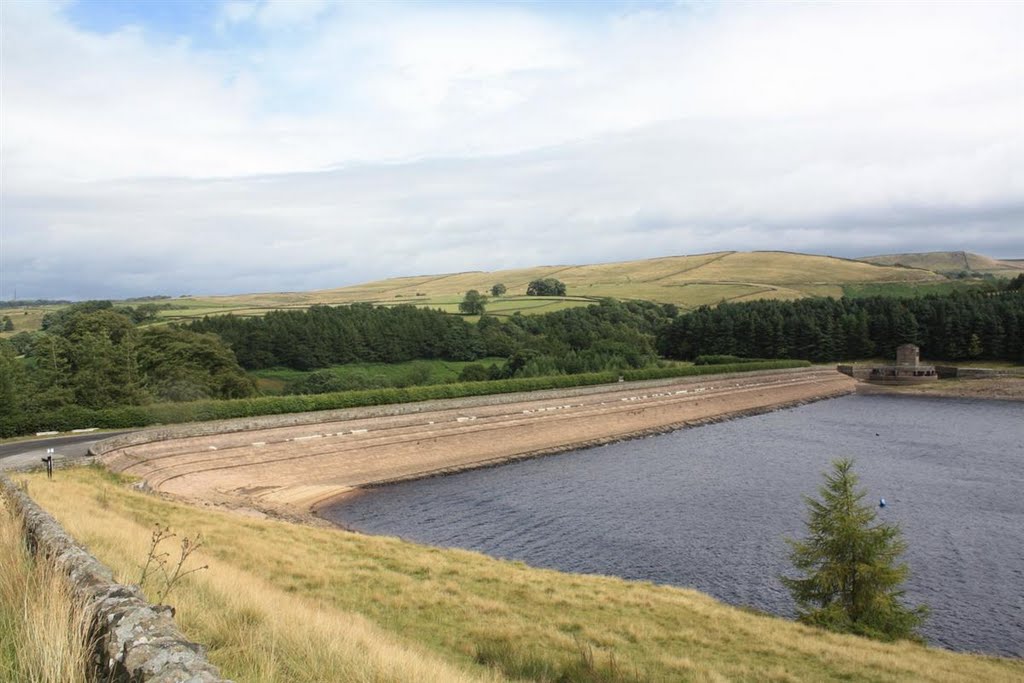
[950, 262]
[282, 602]
[25, 319]
[42, 628]
[687, 281]
[673, 279]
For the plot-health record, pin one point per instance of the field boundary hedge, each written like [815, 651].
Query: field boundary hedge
[724, 359]
[75, 417]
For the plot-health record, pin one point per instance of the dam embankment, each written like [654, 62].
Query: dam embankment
[293, 463]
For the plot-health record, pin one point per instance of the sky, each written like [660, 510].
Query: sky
[194, 147]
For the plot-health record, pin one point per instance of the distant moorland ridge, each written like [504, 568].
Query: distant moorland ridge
[951, 262]
[686, 281]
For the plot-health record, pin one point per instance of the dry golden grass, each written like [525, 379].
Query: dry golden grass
[256, 630]
[25, 319]
[287, 603]
[950, 261]
[687, 281]
[784, 268]
[752, 268]
[43, 630]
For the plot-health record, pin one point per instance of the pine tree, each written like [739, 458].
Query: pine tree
[851, 573]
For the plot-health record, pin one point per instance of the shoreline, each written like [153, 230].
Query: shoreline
[915, 453]
[567, 448]
[292, 471]
[861, 389]
[1002, 388]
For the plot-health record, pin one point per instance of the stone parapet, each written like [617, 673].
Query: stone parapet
[135, 642]
[976, 373]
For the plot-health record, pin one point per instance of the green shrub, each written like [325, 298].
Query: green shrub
[474, 372]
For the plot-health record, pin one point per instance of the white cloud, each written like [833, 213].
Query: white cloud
[236, 12]
[472, 136]
[277, 13]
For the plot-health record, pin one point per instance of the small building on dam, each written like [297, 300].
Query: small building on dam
[907, 370]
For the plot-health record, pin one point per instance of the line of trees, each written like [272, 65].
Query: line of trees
[956, 326]
[328, 335]
[587, 339]
[617, 335]
[95, 356]
[607, 336]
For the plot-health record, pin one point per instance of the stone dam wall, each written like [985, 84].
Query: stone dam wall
[863, 372]
[158, 434]
[947, 371]
[135, 642]
[289, 469]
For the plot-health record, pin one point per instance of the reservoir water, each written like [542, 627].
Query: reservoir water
[710, 507]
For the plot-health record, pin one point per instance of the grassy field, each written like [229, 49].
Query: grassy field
[25, 319]
[687, 281]
[684, 280]
[287, 603]
[42, 628]
[185, 310]
[373, 375]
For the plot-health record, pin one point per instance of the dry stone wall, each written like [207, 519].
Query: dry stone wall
[135, 642]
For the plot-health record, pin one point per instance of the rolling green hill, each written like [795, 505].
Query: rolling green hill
[687, 281]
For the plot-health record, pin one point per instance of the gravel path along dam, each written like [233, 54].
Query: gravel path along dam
[293, 469]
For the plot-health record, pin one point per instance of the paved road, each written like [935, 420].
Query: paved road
[24, 453]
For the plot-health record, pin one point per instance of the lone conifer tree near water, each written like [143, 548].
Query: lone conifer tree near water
[851, 573]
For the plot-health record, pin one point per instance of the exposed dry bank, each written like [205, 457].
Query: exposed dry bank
[1009, 388]
[297, 467]
[283, 602]
[43, 629]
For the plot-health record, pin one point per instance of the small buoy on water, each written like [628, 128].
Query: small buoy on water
[881, 502]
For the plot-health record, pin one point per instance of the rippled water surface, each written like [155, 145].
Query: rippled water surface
[710, 507]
